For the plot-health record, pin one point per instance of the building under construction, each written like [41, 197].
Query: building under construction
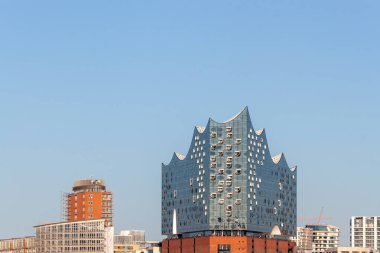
[88, 200]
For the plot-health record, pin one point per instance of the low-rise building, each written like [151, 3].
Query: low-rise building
[351, 250]
[89, 236]
[18, 245]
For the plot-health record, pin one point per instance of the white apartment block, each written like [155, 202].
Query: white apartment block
[90, 236]
[365, 231]
[324, 237]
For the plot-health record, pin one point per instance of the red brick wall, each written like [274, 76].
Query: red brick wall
[239, 244]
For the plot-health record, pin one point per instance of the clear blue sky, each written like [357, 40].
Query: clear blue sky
[111, 88]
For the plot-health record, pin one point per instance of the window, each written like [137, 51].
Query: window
[213, 165]
[237, 189]
[237, 153]
[229, 165]
[220, 189]
[229, 159]
[213, 134]
[237, 201]
[229, 208]
[220, 141]
[213, 195]
[238, 171]
[228, 147]
[228, 129]
[212, 177]
[221, 171]
[229, 177]
[229, 135]
[238, 141]
[229, 195]
[213, 146]
[221, 201]
[213, 159]
[220, 153]
[220, 183]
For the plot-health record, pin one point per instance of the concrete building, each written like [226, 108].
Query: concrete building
[351, 250]
[228, 183]
[365, 231]
[18, 245]
[89, 236]
[89, 200]
[304, 240]
[324, 237]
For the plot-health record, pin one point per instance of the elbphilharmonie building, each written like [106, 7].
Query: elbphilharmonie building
[228, 183]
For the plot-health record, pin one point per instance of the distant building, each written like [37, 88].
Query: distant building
[90, 236]
[137, 236]
[89, 200]
[365, 231]
[304, 240]
[351, 250]
[228, 184]
[129, 241]
[18, 245]
[324, 237]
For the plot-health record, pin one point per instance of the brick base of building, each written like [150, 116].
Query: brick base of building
[227, 244]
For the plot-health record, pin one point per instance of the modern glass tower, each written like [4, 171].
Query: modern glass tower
[228, 183]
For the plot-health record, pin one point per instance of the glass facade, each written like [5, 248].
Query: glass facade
[228, 183]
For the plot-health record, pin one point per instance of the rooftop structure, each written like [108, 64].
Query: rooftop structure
[228, 184]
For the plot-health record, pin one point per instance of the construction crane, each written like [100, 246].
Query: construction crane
[316, 219]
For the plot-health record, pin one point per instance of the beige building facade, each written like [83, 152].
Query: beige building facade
[324, 237]
[304, 240]
[18, 245]
[90, 236]
[351, 250]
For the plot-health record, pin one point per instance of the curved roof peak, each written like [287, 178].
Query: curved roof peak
[277, 158]
[259, 132]
[200, 129]
[245, 110]
[180, 156]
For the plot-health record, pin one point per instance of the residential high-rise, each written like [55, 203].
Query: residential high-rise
[365, 231]
[228, 184]
[89, 200]
[304, 240]
[324, 237]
